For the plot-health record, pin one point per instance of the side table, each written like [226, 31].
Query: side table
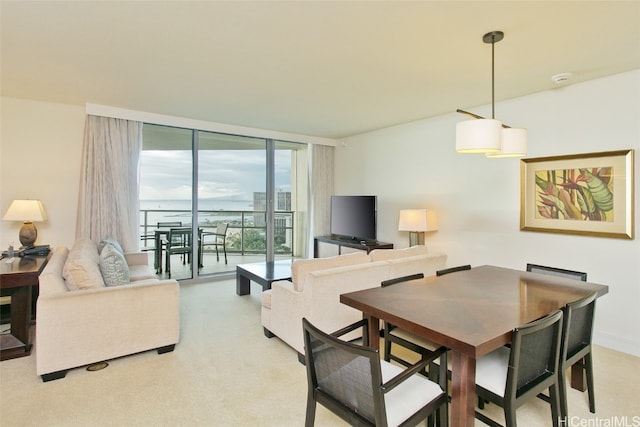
[17, 277]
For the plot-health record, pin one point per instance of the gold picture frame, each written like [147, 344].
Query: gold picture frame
[582, 194]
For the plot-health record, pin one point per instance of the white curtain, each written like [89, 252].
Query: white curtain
[108, 204]
[320, 191]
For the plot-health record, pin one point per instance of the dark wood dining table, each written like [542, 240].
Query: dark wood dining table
[471, 312]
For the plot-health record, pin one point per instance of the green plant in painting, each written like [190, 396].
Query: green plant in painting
[575, 194]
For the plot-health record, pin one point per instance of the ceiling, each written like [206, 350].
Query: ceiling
[320, 68]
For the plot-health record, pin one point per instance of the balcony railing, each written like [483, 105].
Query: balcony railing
[246, 233]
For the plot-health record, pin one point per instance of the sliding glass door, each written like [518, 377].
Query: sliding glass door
[244, 198]
[231, 180]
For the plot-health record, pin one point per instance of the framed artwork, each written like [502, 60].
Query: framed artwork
[584, 194]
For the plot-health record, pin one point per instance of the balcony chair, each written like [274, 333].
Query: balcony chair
[351, 381]
[178, 241]
[511, 376]
[219, 239]
[561, 272]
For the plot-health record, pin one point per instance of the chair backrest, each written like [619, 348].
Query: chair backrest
[401, 279]
[180, 237]
[221, 231]
[453, 269]
[344, 377]
[169, 224]
[534, 358]
[554, 271]
[577, 328]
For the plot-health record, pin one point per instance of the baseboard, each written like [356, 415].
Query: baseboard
[617, 343]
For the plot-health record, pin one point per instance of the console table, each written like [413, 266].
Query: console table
[363, 245]
[17, 277]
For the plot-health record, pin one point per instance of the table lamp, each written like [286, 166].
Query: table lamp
[416, 222]
[26, 211]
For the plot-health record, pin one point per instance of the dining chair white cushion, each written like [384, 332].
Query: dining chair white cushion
[407, 398]
[491, 370]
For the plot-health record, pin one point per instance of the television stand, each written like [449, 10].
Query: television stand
[363, 245]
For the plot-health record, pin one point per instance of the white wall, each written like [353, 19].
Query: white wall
[478, 199]
[40, 153]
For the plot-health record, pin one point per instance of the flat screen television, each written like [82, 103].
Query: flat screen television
[354, 217]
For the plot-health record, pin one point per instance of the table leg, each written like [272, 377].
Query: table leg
[374, 332]
[242, 284]
[463, 393]
[157, 256]
[21, 315]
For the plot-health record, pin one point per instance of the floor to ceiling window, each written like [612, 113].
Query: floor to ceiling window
[252, 190]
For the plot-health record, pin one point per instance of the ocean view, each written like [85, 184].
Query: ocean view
[170, 211]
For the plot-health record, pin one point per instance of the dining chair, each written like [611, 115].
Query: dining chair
[354, 383]
[178, 241]
[554, 271]
[411, 341]
[219, 240]
[511, 376]
[453, 269]
[577, 330]
[394, 335]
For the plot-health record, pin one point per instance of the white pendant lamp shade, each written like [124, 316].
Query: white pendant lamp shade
[490, 136]
[514, 143]
[479, 136]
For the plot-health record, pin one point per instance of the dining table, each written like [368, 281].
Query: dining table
[470, 312]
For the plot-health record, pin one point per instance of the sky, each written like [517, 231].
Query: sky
[226, 174]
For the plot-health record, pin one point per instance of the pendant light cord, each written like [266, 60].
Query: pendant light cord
[493, 84]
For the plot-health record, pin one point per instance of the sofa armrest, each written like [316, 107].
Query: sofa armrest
[287, 309]
[82, 327]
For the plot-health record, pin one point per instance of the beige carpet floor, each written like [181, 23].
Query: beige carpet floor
[224, 372]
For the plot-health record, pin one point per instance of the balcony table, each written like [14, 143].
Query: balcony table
[471, 312]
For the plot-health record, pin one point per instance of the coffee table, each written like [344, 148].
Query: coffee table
[263, 273]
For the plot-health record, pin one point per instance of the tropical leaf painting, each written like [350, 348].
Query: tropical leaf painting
[583, 194]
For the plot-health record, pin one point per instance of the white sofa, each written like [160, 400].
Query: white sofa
[94, 322]
[316, 284]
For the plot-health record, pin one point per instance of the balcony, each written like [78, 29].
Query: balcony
[245, 242]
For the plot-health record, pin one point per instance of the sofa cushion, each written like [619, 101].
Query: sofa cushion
[139, 272]
[113, 266]
[81, 270]
[302, 267]
[385, 254]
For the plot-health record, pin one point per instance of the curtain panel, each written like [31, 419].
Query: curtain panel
[108, 202]
[320, 191]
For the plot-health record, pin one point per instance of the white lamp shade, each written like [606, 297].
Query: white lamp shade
[479, 136]
[25, 210]
[418, 220]
[514, 143]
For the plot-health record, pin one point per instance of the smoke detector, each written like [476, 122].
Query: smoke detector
[561, 78]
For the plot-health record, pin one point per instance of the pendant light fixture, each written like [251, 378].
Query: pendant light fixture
[490, 136]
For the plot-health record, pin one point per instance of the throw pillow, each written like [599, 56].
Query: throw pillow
[82, 273]
[81, 270]
[113, 266]
[109, 241]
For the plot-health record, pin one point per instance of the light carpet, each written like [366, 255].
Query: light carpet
[224, 372]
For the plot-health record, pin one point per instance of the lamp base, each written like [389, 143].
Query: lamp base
[416, 238]
[28, 234]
